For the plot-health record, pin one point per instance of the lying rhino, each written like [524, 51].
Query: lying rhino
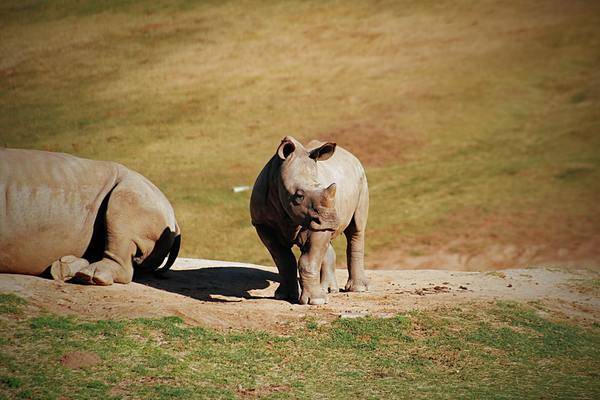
[308, 196]
[91, 220]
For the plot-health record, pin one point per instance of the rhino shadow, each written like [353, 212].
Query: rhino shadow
[203, 283]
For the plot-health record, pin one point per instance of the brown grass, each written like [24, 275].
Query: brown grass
[477, 122]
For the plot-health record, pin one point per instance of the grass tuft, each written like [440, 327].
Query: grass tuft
[11, 304]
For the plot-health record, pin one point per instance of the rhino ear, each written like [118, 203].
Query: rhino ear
[286, 148]
[324, 152]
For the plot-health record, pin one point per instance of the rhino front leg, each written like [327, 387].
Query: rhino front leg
[328, 280]
[284, 260]
[311, 260]
[66, 267]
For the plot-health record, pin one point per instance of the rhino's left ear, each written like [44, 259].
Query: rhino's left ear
[324, 152]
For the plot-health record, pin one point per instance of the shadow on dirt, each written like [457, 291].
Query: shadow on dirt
[205, 283]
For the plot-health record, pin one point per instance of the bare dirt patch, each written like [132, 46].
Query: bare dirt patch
[375, 145]
[262, 391]
[233, 295]
[80, 359]
[471, 240]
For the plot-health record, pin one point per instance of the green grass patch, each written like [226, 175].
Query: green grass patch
[500, 350]
[11, 304]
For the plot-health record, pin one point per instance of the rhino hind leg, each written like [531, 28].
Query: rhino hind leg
[328, 280]
[110, 269]
[66, 267]
[123, 227]
[357, 280]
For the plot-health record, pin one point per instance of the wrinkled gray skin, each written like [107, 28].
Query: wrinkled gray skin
[306, 196]
[83, 219]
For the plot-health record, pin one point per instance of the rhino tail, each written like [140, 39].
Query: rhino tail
[166, 246]
[173, 252]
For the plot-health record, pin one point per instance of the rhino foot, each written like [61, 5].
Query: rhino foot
[357, 285]
[103, 278]
[85, 275]
[66, 267]
[313, 299]
[330, 287]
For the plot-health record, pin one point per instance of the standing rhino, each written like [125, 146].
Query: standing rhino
[91, 220]
[307, 196]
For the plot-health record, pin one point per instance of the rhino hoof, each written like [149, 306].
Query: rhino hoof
[317, 301]
[85, 275]
[59, 271]
[103, 278]
[312, 300]
[357, 285]
[330, 289]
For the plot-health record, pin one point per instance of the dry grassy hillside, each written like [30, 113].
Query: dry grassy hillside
[478, 122]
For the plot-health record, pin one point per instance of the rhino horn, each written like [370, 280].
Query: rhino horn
[328, 197]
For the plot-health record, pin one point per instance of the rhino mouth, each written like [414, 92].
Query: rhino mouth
[326, 219]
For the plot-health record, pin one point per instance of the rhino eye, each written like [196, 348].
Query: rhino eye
[298, 197]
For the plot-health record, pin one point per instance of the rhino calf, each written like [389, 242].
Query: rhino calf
[83, 219]
[306, 196]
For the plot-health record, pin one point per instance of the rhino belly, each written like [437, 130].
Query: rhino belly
[42, 224]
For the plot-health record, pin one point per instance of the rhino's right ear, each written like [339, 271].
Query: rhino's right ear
[324, 152]
[286, 148]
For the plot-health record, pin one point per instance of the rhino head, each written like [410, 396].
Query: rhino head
[302, 197]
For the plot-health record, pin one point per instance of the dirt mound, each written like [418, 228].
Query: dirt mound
[234, 295]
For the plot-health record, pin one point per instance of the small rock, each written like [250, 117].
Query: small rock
[509, 285]
[230, 299]
[243, 188]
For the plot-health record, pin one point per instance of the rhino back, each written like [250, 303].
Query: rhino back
[48, 205]
[261, 209]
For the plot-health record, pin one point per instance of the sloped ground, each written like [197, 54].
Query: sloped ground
[477, 122]
[233, 295]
